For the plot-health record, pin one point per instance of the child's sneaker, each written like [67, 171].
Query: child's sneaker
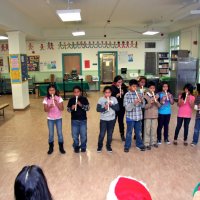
[109, 149]
[193, 144]
[99, 150]
[159, 142]
[83, 150]
[175, 142]
[148, 147]
[185, 143]
[167, 141]
[126, 150]
[155, 145]
[142, 148]
[76, 150]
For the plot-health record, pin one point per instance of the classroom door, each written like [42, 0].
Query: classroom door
[107, 67]
[71, 62]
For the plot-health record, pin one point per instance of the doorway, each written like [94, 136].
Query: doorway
[107, 66]
[71, 62]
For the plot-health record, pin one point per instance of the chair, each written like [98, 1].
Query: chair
[89, 79]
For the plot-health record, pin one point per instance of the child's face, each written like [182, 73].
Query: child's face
[165, 87]
[119, 83]
[142, 83]
[187, 91]
[52, 91]
[77, 92]
[133, 88]
[152, 88]
[107, 93]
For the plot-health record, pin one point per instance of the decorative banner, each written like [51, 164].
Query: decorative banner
[102, 44]
[33, 63]
[87, 64]
[15, 71]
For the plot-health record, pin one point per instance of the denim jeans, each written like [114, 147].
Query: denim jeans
[79, 130]
[178, 127]
[163, 120]
[58, 123]
[196, 131]
[109, 127]
[137, 129]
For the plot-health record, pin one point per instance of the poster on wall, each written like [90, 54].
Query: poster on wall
[130, 57]
[4, 64]
[24, 67]
[87, 64]
[33, 63]
[48, 66]
[15, 71]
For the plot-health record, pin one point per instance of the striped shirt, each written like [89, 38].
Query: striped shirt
[133, 112]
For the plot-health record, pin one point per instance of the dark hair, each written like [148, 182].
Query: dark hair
[189, 87]
[117, 78]
[107, 88]
[133, 82]
[151, 83]
[31, 184]
[76, 87]
[142, 77]
[52, 86]
[162, 84]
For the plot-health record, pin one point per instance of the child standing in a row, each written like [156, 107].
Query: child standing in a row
[107, 106]
[166, 100]
[53, 105]
[119, 89]
[186, 105]
[151, 117]
[133, 104]
[77, 106]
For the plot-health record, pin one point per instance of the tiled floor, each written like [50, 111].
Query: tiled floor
[170, 172]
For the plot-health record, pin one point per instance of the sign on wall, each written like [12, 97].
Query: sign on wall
[15, 68]
[33, 63]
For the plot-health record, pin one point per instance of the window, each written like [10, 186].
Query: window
[174, 42]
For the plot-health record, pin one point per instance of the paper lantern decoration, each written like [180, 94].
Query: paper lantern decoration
[127, 188]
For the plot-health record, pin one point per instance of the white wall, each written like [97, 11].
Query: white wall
[92, 54]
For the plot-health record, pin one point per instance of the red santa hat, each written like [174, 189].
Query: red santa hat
[127, 188]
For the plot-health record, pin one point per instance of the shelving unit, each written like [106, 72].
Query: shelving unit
[175, 54]
[163, 62]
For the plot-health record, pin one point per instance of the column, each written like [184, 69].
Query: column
[18, 70]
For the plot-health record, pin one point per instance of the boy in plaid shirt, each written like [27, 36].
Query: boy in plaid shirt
[133, 104]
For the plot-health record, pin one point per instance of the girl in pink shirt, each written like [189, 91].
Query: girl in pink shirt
[185, 104]
[53, 105]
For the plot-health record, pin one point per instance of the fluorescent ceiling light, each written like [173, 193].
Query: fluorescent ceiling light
[78, 33]
[3, 37]
[150, 33]
[195, 12]
[69, 15]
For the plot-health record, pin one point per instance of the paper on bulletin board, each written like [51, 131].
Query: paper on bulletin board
[87, 64]
[48, 66]
[15, 69]
[123, 55]
[4, 64]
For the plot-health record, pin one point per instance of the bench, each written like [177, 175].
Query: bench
[2, 108]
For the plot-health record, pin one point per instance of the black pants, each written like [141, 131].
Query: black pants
[120, 117]
[106, 126]
[163, 120]
[179, 125]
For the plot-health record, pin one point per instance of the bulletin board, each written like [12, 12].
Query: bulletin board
[15, 68]
[24, 68]
[33, 63]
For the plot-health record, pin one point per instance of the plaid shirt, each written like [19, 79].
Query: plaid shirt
[133, 112]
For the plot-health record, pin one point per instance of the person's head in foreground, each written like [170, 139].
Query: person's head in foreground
[196, 193]
[127, 188]
[31, 184]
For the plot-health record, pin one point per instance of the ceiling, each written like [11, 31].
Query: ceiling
[128, 18]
